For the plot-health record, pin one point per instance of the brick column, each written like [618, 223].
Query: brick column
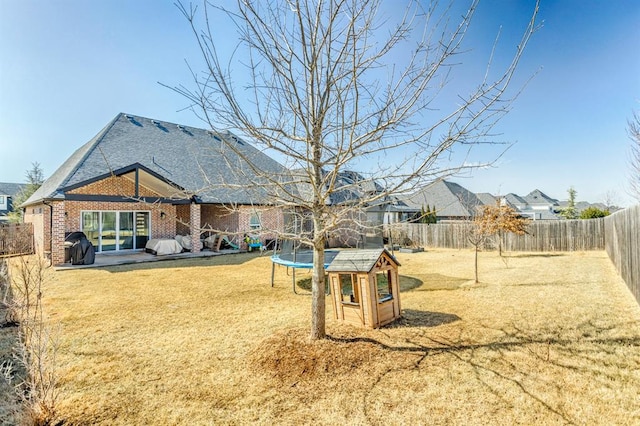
[57, 233]
[194, 227]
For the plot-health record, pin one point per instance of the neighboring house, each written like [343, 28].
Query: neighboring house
[487, 199]
[139, 179]
[583, 205]
[7, 192]
[536, 205]
[451, 201]
[514, 201]
[356, 220]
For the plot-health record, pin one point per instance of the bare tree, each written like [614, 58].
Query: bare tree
[611, 200]
[337, 85]
[22, 286]
[633, 130]
[477, 235]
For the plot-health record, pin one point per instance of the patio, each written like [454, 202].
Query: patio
[114, 259]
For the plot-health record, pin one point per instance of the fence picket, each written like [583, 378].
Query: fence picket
[557, 235]
[623, 246]
[16, 239]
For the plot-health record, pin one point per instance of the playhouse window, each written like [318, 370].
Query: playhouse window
[383, 282]
[348, 289]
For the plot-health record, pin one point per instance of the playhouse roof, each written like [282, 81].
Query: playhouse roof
[358, 260]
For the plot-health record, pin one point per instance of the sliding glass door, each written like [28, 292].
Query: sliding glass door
[125, 231]
[108, 234]
[116, 230]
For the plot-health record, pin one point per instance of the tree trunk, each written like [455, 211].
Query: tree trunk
[318, 297]
[476, 264]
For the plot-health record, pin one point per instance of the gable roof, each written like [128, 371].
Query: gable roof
[538, 197]
[486, 198]
[10, 189]
[515, 200]
[449, 199]
[358, 260]
[196, 160]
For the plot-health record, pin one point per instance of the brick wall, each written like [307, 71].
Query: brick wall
[57, 232]
[236, 222]
[182, 219]
[161, 227]
[194, 221]
[114, 185]
[219, 218]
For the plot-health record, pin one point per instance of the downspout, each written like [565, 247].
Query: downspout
[50, 257]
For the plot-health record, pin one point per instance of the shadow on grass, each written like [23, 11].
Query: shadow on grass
[413, 318]
[527, 255]
[517, 357]
[434, 282]
[407, 283]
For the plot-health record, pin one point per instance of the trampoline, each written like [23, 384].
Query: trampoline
[295, 258]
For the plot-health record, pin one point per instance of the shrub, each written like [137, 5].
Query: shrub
[593, 212]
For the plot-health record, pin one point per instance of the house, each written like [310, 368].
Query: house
[487, 199]
[536, 205]
[8, 191]
[450, 200]
[140, 178]
[357, 222]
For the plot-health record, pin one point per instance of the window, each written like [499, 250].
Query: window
[116, 230]
[383, 285]
[254, 221]
[1, 199]
[349, 289]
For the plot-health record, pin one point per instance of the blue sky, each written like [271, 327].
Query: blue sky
[67, 67]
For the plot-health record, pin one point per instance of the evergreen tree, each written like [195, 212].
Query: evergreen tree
[35, 177]
[427, 215]
[432, 215]
[570, 211]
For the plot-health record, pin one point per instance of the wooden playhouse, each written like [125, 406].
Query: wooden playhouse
[365, 288]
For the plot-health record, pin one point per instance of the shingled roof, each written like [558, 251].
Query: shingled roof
[450, 200]
[10, 189]
[195, 160]
[357, 260]
[538, 197]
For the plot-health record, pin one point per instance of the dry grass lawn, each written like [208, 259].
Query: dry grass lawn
[544, 339]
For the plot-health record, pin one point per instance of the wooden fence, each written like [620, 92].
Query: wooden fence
[623, 246]
[16, 239]
[556, 235]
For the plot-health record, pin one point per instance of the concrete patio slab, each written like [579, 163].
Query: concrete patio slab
[114, 259]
